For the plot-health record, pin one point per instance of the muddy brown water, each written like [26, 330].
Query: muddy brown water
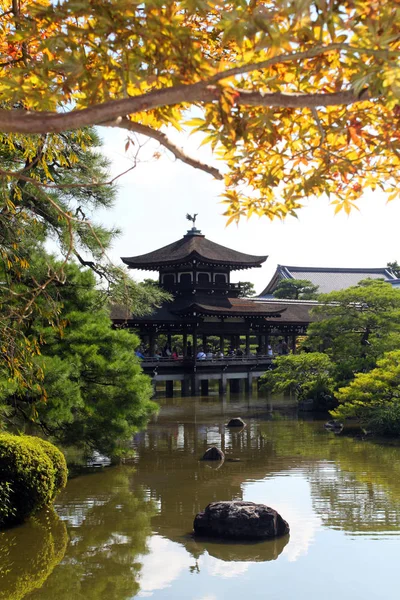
[125, 532]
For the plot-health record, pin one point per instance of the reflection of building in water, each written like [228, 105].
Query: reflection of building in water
[342, 495]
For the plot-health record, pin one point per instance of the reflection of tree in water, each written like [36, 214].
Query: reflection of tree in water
[169, 466]
[108, 528]
[355, 484]
[29, 553]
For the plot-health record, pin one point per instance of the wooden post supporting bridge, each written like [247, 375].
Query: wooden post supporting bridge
[194, 376]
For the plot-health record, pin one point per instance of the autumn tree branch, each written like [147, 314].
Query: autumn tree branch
[113, 112]
[168, 144]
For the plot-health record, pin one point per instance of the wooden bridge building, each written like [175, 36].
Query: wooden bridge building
[197, 272]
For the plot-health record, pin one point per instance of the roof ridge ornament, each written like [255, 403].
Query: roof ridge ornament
[194, 230]
[192, 218]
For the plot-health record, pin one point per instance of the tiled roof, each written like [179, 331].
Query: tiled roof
[327, 279]
[193, 246]
[234, 307]
[285, 311]
[292, 311]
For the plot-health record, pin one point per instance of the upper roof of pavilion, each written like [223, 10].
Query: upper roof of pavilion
[194, 247]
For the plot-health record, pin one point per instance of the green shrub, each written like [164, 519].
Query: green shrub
[31, 474]
[374, 397]
[308, 375]
[6, 507]
[59, 463]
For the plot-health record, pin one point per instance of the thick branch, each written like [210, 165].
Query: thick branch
[113, 113]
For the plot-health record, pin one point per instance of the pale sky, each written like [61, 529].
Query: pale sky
[154, 198]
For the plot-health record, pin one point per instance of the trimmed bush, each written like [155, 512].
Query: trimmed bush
[31, 474]
[59, 464]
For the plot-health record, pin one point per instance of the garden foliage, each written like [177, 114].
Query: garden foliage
[32, 472]
[374, 397]
[96, 395]
[355, 357]
[308, 376]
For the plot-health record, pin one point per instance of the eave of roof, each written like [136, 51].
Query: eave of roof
[374, 270]
[233, 311]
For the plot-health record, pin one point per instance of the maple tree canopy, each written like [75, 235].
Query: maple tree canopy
[296, 97]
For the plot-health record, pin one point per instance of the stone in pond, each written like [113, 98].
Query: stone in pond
[214, 453]
[240, 520]
[236, 422]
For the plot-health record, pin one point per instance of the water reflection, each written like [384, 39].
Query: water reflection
[29, 553]
[130, 527]
[108, 523]
[242, 552]
[354, 484]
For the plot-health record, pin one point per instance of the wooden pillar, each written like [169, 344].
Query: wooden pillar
[247, 344]
[169, 388]
[194, 345]
[222, 384]
[222, 343]
[185, 385]
[204, 340]
[169, 339]
[152, 342]
[248, 383]
[184, 343]
[294, 343]
[204, 387]
[195, 384]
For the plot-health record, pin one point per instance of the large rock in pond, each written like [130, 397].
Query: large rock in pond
[236, 422]
[240, 520]
[214, 453]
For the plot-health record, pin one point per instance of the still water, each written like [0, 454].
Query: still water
[124, 532]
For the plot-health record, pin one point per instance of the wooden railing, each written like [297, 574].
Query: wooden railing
[168, 361]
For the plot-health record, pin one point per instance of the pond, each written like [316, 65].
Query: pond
[125, 532]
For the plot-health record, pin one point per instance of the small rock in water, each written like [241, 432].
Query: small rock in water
[214, 453]
[240, 520]
[334, 426]
[236, 422]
